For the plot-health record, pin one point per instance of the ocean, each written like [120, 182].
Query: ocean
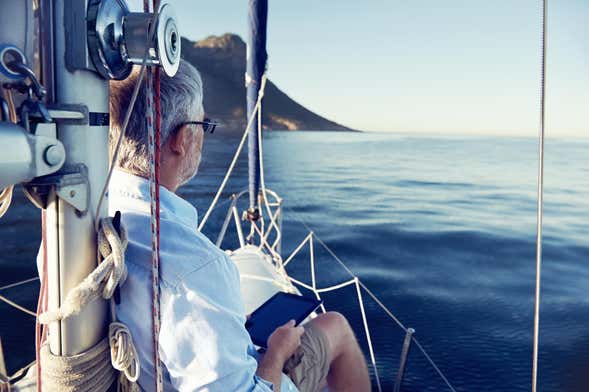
[441, 228]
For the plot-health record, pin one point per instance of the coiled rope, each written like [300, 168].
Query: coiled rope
[61, 373]
[99, 283]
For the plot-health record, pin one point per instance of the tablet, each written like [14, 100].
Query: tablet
[277, 311]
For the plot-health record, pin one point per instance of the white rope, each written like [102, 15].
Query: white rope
[264, 243]
[540, 197]
[102, 282]
[337, 286]
[236, 156]
[278, 283]
[297, 250]
[313, 281]
[17, 306]
[123, 355]
[5, 199]
[383, 307]
[20, 372]
[22, 282]
[367, 331]
[89, 371]
[99, 283]
[271, 215]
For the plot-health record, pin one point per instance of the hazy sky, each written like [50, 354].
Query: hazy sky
[433, 66]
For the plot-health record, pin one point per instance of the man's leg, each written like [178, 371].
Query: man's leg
[347, 370]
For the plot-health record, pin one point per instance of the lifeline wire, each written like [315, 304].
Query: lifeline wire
[8, 286]
[367, 290]
[543, 6]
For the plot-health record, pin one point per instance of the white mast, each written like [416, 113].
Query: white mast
[71, 240]
[64, 159]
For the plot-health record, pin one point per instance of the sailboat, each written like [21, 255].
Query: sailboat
[56, 121]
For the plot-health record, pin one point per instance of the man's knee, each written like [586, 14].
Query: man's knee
[337, 330]
[334, 321]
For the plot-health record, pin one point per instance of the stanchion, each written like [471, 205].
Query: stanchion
[403, 360]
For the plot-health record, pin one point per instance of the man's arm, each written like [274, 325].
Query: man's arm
[281, 345]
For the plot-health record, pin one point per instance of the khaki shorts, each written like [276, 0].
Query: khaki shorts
[309, 365]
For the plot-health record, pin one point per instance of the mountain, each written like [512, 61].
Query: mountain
[221, 62]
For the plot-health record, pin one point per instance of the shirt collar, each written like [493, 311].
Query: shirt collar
[129, 185]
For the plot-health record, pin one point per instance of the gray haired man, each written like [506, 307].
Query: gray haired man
[203, 343]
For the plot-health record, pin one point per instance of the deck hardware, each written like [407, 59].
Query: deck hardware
[117, 39]
[73, 188]
[27, 156]
[403, 361]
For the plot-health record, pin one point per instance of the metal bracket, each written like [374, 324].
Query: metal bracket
[26, 156]
[73, 189]
[71, 185]
[69, 114]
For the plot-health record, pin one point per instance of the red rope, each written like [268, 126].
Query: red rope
[158, 133]
[156, 216]
[154, 132]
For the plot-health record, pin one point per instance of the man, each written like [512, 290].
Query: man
[203, 343]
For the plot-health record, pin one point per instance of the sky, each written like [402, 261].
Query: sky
[431, 66]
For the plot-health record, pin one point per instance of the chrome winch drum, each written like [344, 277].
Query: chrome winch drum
[117, 39]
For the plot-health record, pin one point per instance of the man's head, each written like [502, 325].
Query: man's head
[181, 102]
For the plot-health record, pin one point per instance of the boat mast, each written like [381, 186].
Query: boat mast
[256, 66]
[59, 149]
[71, 239]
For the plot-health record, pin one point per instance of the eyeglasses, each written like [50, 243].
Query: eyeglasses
[208, 125]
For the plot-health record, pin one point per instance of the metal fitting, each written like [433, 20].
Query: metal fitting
[118, 39]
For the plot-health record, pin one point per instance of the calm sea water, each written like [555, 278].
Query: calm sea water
[442, 229]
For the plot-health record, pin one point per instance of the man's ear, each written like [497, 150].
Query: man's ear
[179, 141]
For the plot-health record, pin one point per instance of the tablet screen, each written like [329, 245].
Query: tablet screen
[277, 311]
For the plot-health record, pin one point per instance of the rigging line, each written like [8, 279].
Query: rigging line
[351, 273]
[21, 372]
[123, 130]
[543, 5]
[430, 360]
[263, 180]
[17, 306]
[236, 156]
[374, 297]
[22, 282]
[367, 332]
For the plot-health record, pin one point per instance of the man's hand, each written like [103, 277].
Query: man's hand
[283, 342]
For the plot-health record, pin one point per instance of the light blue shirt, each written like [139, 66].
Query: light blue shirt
[203, 343]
